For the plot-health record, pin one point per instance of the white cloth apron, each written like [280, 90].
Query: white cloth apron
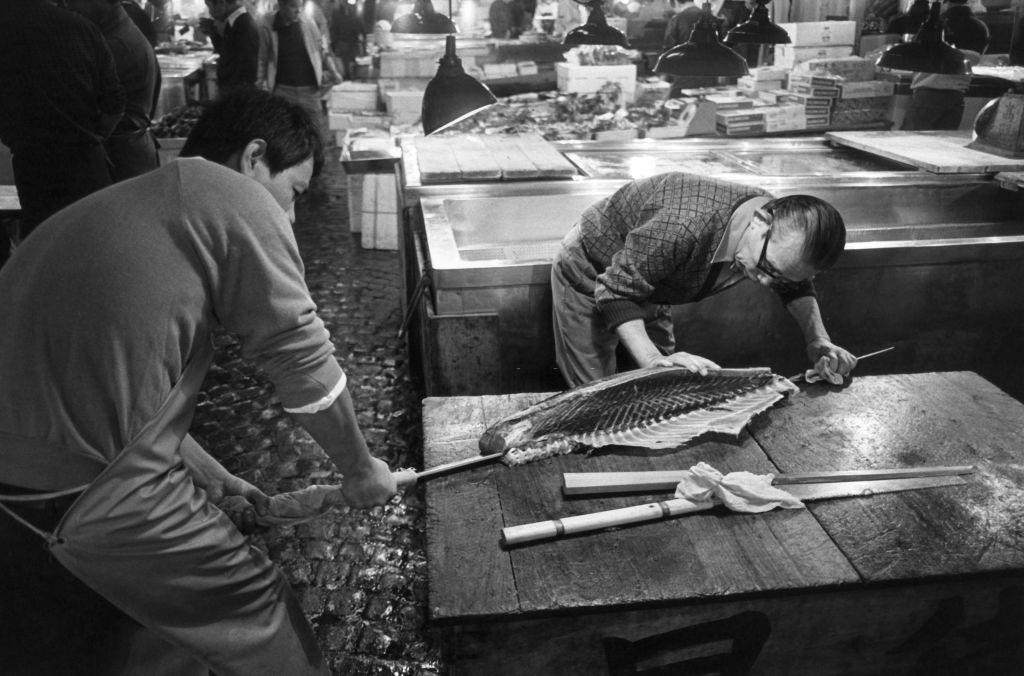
[143, 536]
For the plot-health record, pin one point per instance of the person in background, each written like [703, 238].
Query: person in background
[291, 57]
[500, 17]
[348, 38]
[110, 310]
[236, 40]
[140, 18]
[59, 100]
[681, 24]
[937, 100]
[909, 23]
[679, 238]
[131, 147]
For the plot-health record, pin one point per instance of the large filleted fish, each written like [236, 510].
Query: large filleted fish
[661, 407]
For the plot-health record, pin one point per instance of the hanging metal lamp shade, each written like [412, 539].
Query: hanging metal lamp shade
[452, 95]
[423, 19]
[702, 54]
[596, 30]
[928, 52]
[758, 29]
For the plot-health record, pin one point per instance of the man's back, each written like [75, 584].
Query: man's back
[57, 76]
[238, 52]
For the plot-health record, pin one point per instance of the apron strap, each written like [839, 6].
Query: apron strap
[50, 538]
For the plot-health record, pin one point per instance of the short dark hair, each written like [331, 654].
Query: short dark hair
[822, 226]
[228, 124]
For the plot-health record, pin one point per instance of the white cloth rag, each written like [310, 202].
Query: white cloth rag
[739, 491]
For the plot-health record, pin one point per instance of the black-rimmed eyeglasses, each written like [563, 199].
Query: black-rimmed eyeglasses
[779, 280]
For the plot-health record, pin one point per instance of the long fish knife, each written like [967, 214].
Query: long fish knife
[656, 511]
[598, 483]
[803, 375]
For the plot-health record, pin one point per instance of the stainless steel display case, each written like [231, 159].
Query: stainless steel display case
[932, 265]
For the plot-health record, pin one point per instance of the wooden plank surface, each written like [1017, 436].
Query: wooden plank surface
[938, 152]
[905, 421]
[469, 573]
[698, 556]
[436, 160]
[549, 161]
[513, 161]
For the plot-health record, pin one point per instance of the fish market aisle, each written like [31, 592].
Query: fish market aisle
[361, 575]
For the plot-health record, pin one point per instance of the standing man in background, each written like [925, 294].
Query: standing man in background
[291, 58]
[130, 147]
[236, 40]
[59, 100]
[937, 100]
[348, 37]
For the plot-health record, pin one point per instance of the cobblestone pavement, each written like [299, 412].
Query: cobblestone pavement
[361, 575]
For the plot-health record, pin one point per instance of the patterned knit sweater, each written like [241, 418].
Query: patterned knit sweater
[653, 240]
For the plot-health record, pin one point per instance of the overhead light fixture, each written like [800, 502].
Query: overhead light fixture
[758, 29]
[452, 95]
[596, 30]
[702, 54]
[424, 19]
[928, 52]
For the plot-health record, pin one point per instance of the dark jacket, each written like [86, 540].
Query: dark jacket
[238, 50]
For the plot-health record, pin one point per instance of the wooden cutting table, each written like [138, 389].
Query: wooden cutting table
[926, 580]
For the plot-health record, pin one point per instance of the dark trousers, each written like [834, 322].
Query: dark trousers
[52, 622]
[131, 154]
[934, 109]
[49, 177]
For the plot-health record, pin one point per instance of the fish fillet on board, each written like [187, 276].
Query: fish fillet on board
[660, 407]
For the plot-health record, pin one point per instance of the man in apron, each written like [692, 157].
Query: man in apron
[106, 338]
[678, 238]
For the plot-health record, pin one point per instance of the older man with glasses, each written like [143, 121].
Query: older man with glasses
[679, 238]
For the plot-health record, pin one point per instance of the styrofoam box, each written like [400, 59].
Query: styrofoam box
[526, 68]
[788, 56]
[767, 73]
[354, 96]
[497, 71]
[817, 33]
[747, 84]
[576, 79]
[379, 212]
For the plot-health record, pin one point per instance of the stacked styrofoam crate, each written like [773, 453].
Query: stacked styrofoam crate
[765, 78]
[404, 106]
[815, 40]
[379, 212]
[354, 105]
[573, 78]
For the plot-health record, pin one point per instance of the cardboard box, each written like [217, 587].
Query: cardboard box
[499, 71]
[354, 96]
[813, 79]
[723, 103]
[866, 90]
[772, 96]
[788, 56]
[740, 117]
[575, 79]
[754, 128]
[526, 68]
[815, 92]
[850, 68]
[767, 73]
[819, 33]
[650, 93]
[747, 84]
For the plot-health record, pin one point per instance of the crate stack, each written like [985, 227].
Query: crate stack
[574, 78]
[355, 105]
[815, 40]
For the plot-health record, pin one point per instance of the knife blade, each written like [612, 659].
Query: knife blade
[656, 511]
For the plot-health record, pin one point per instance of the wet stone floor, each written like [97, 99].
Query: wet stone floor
[360, 574]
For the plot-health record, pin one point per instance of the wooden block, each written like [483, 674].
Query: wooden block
[938, 152]
[513, 161]
[436, 160]
[475, 161]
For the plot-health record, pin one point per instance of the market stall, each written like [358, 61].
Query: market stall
[943, 249]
